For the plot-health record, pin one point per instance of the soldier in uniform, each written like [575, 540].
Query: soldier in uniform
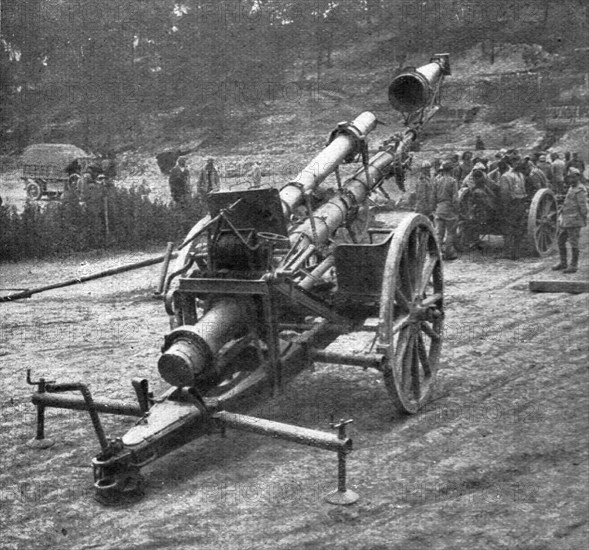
[88, 181]
[255, 175]
[512, 193]
[208, 180]
[446, 208]
[573, 216]
[498, 166]
[423, 190]
[465, 166]
[558, 169]
[179, 181]
[482, 187]
[544, 165]
[577, 163]
[479, 205]
[535, 179]
[456, 168]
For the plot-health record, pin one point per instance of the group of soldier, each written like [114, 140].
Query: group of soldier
[503, 188]
[208, 180]
[179, 181]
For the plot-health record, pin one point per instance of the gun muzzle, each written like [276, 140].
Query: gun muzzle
[413, 89]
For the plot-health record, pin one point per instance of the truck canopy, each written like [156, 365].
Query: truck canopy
[50, 158]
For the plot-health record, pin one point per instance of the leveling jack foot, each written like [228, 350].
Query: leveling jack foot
[120, 491]
[43, 443]
[342, 495]
[343, 498]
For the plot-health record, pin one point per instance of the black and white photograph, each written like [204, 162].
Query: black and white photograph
[294, 274]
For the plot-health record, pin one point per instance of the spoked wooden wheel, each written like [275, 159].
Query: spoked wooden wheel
[411, 315]
[542, 222]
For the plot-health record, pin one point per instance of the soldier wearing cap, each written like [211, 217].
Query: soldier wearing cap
[498, 166]
[558, 171]
[535, 178]
[577, 163]
[512, 201]
[465, 166]
[544, 165]
[456, 169]
[208, 180]
[573, 216]
[255, 175]
[445, 192]
[483, 200]
[423, 190]
[179, 182]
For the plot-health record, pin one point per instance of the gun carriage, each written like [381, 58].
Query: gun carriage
[481, 217]
[257, 294]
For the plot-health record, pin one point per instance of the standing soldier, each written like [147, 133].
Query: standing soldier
[495, 163]
[535, 179]
[88, 181]
[92, 197]
[483, 201]
[544, 165]
[208, 180]
[479, 144]
[446, 208]
[500, 168]
[558, 169]
[465, 166]
[109, 166]
[512, 193]
[255, 175]
[423, 190]
[577, 163]
[180, 182]
[573, 216]
[456, 169]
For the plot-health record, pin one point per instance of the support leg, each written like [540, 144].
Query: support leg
[342, 495]
[40, 441]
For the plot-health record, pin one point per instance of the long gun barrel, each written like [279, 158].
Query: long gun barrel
[189, 350]
[346, 142]
[412, 91]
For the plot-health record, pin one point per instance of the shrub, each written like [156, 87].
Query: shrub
[71, 225]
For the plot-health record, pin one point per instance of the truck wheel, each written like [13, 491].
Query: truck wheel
[33, 190]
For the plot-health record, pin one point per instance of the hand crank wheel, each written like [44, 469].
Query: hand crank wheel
[411, 315]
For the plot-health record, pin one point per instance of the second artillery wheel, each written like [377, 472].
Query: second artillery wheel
[542, 225]
[411, 317]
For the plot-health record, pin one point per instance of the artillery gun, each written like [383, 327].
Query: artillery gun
[257, 294]
[478, 219]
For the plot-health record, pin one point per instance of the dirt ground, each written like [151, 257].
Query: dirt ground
[498, 459]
